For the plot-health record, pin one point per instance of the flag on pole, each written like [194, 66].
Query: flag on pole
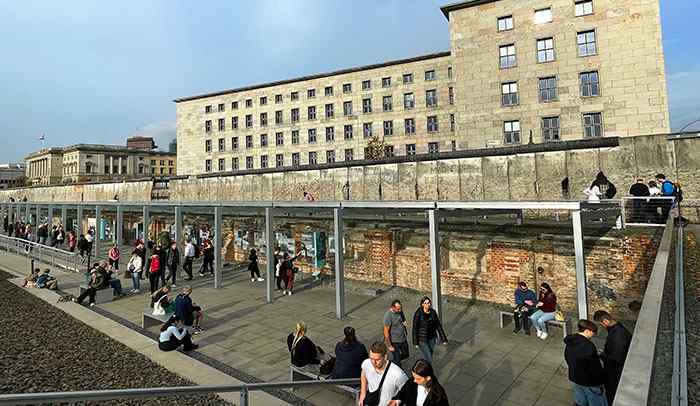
[42, 137]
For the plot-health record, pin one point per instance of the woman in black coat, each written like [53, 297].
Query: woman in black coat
[427, 328]
[302, 350]
[253, 267]
[424, 389]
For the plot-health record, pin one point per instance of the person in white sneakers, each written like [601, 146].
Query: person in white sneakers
[546, 307]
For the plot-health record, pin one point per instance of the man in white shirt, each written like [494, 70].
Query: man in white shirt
[374, 368]
[190, 253]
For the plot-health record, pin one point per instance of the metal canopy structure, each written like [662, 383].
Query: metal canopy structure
[337, 210]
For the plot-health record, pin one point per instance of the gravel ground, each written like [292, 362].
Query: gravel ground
[44, 350]
[692, 315]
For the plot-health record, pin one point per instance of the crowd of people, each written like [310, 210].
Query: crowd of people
[646, 209]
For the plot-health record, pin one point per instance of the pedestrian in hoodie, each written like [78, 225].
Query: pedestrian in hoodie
[349, 355]
[615, 351]
[585, 370]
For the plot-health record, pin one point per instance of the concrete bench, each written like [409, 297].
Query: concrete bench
[101, 296]
[150, 319]
[313, 372]
[564, 325]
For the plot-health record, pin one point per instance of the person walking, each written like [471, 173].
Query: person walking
[173, 334]
[585, 371]
[614, 354]
[153, 269]
[190, 254]
[207, 258]
[380, 379]
[172, 262]
[395, 334]
[135, 266]
[90, 239]
[114, 255]
[523, 307]
[426, 329]
[253, 266]
[423, 389]
[287, 271]
[546, 306]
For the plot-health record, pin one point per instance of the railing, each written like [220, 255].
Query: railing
[679, 382]
[55, 257]
[99, 395]
[646, 211]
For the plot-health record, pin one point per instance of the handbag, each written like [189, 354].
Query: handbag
[372, 398]
[559, 315]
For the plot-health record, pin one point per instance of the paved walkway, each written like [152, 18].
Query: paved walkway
[483, 364]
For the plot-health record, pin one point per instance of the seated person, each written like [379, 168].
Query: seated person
[190, 314]
[546, 307]
[46, 281]
[173, 334]
[302, 350]
[98, 281]
[523, 307]
[113, 281]
[31, 278]
[349, 355]
[160, 302]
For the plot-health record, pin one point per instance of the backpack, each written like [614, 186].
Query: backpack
[611, 191]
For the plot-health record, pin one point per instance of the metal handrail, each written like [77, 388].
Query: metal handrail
[679, 391]
[111, 394]
[42, 253]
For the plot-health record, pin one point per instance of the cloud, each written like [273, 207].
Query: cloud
[162, 131]
[684, 98]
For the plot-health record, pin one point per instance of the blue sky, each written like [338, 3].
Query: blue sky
[97, 72]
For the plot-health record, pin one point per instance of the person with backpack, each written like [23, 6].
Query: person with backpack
[154, 269]
[668, 189]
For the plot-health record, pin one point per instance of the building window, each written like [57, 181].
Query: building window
[366, 84]
[263, 101]
[295, 115]
[592, 125]
[386, 103]
[207, 148]
[328, 91]
[279, 117]
[367, 105]
[432, 124]
[207, 166]
[545, 50]
[249, 162]
[295, 137]
[234, 164]
[347, 88]
[234, 105]
[509, 94]
[430, 75]
[295, 159]
[505, 23]
[386, 82]
[507, 56]
[248, 120]
[279, 160]
[311, 135]
[407, 78]
[389, 127]
[263, 161]
[294, 96]
[249, 102]
[249, 141]
[207, 126]
[170, 163]
[278, 98]
[410, 149]
[550, 128]
[207, 109]
[451, 95]
[279, 139]
[584, 8]
[586, 43]
[330, 157]
[347, 131]
[511, 132]
[348, 154]
[409, 126]
[452, 122]
[454, 145]
[548, 89]
[449, 72]
[311, 93]
[311, 113]
[222, 145]
[234, 123]
[543, 16]
[263, 119]
[590, 86]
[263, 140]
[313, 159]
[367, 130]
[330, 134]
[433, 148]
[329, 111]
[222, 165]
[234, 143]
[409, 101]
[431, 98]
[347, 108]
[221, 107]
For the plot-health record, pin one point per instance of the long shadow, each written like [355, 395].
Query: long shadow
[370, 300]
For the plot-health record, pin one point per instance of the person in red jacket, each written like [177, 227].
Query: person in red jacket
[154, 271]
[546, 306]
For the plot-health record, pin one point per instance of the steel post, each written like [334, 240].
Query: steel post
[338, 236]
[581, 291]
[79, 221]
[119, 226]
[64, 217]
[218, 257]
[98, 228]
[269, 251]
[146, 227]
[433, 225]
[178, 229]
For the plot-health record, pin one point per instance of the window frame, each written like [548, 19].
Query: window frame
[386, 82]
[507, 17]
[548, 130]
[347, 108]
[367, 105]
[511, 98]
[507, 56]
[512, 132]
[554, 89]
[348, 131]
[409, 126]
[586, 43]
[407, 78]
[311, 136]
[551, 15]
[410, 149]
[390, 105]
[600, 125]
[545, 50]
[430, 75]
[590, 85]
[388, 129]
[583, 3]
[347, 88]
[435, 127]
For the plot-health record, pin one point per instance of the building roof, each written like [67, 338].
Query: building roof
[462, 4]
[317, 76]
[94, 148]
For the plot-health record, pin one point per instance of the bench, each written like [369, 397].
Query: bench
[150, 319]
[101, 296]
[564, 325]
[313, 372]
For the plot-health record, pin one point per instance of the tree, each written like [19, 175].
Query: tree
[376, 149]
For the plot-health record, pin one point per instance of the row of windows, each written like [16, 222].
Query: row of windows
[589, 86]
[592, 127]
[545, 15]
[406, 78]
[409, 103]
[585, 43]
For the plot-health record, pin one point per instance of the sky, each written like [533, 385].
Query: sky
[98, 72]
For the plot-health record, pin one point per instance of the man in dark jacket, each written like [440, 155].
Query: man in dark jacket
[615, 352]
[187, 311]
[349, 355]
[98, 280]
[585, 371]
[639, 210]
[172, 262]
[523, 307]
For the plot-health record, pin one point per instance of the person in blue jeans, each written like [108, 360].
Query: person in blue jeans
[585, 369]
[426, 329]
[546, 306]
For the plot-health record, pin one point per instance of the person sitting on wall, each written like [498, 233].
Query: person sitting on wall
[349, 354]
[46, 281]
[523, 307]
[30, 280]
[113, 282]
[173, 334]
[546, 307]
[302, 350]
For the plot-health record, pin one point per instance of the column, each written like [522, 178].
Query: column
[338, 234]
[64, 217]
[582, 294]
[433, 224]
[49, 215]
[146, 226]
[119, 226]
[98, 227]
[38, 216]
[269, 251]
[111, 165]
[120, 165]
[218, 260]
[79, 221]
[178, 229]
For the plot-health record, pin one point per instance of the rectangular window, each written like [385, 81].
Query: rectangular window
[248, 120]
[586, 43]
[295, 137]
[388, 151]
[449, 72]
[545, 50]
[234, 143]
[505, 23]
[221, 107]
[410, 149]
[543, 16]
[386, 103]
[389, 127]
[294, 96]
[234, 105]
[509, 94]
[207, 109]
[433, 148]
[295, 159]
[330, 134]
[409, 126]
[347, 88]
[347, 131]
[295, 115]
[263, 140]
[249, 141]
[584, 8]
[263, 161]
[207, 126]
[311, 113]
[550, 128]
[278, 98]
[407, 78]
[207, 165]
[451, 95]
[249, 162]
[386, 82]
[452, 122]
[431, 98]
[313, 159]
[279, 117]
[222, 165]
[279, 160]
[249, 102]
[511, 132]
[222, 145]
[507, 56]
[279, 139]
[548, 89]
[328, 91]
[234, 164]
[590, 86]
[207, 148]
[311, 93]
[311, 135]
[234, 123]
[430, 75]
[432, 124]
[367, 130]
[409, 101]
[330, 157]
[592, 125]
[329, 110]
[263, 100]
[348, 154]
[263, 119]
[347, 108]
[366, 84]
[366, 105]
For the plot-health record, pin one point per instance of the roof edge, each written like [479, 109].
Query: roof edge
[462, 4]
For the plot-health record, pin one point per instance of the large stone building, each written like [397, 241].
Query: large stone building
[517, 72]
[11, 175]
